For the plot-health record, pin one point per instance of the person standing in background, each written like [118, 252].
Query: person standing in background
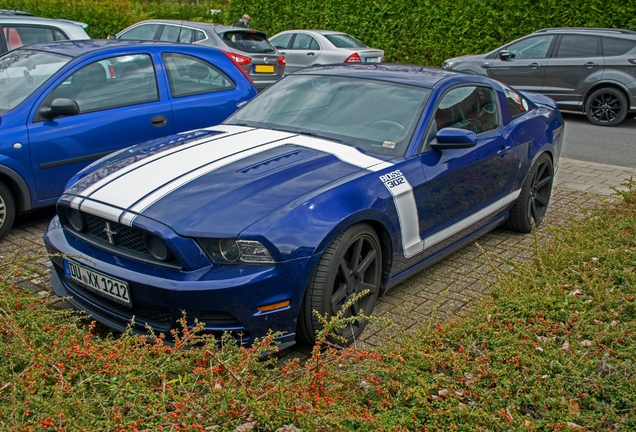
[243, 22]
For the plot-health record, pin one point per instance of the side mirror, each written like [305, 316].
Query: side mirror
[454, 138]
[505, 55]
[59, 107]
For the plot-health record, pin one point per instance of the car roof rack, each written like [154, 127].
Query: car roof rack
[7, 12]
[607, 30]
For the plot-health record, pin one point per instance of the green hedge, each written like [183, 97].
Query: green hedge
[429, 31]
[106, 17]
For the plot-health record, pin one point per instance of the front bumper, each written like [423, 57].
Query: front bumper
[225, 298]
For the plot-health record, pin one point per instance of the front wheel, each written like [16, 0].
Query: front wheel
[351, 264]
[533, 200]
[606, 107]
[7, 210]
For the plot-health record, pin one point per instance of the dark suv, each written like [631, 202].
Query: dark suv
[583, 69]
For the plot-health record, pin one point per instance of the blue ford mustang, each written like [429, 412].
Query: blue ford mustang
[335, 180]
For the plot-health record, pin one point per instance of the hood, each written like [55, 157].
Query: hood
[214, 182]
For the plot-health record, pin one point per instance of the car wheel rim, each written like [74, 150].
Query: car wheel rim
[540, 190]
[3, 211]
[358, 270]
[606, 108]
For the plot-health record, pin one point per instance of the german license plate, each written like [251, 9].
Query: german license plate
[106, 286]
[373, 59]
[264, 68]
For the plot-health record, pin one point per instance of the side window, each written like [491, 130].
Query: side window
[22, 35]
[142, 32]
[305, 42]
[170, 33]
[579, 46]
[110, 83]
[190, 76]
[282, 41]
[516, 103]
[616, 47]
[471, 108]
[58, 35]
[198, 35]
[531, 48]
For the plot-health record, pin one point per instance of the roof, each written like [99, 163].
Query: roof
[26, 19]
[76, 48]
[421, 76]
[586, 30]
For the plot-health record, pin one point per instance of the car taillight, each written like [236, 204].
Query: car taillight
[239, 59]
[232, 57]
[281, 60]
[353, 58]
[383, 59]
[111, 70]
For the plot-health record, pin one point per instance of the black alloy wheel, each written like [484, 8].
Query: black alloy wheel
[352, 263]
[606, 107]
[533, 200]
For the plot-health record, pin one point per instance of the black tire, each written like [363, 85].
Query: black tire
[349, 265]
[606, 107]
[7, 210]
[533, 201]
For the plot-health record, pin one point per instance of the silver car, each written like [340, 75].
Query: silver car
[250, 49]
[21, 28]
[304, 48]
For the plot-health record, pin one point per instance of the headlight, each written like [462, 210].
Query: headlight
[449, 64]
[231, 251]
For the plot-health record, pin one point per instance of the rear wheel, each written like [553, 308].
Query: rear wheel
[351, 264]
[606, 107]
[7, 210]
[532, 203]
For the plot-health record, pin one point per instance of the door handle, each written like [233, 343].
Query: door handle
[310, 54]
[590, 65]
[534, 65]
[504, 150]
[282, 52]
[159, 121]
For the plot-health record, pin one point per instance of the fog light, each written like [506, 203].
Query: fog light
[156, 247]
[75, 218]
[273, 306]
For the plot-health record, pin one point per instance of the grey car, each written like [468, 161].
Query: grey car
[303, 48]
[250, 49]
[19, 28]
[583, 69]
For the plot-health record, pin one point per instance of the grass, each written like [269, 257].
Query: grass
[552, 348]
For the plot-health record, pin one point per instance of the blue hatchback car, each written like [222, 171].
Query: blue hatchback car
[334, 181]
[66, 104]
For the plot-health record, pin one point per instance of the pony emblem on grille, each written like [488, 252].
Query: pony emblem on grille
[110, 234]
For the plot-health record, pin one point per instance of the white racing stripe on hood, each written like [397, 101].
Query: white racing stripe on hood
[103, 182]
[343, 152]
[138, 188]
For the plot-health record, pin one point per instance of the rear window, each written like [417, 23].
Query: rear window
[344, 41]
[617, 47]
[248, 42]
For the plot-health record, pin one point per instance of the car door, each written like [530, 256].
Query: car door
[148, 31]
[304, 51]
[199, 91]
[576, 64]
[120, 104]
[465, 188]
[525, 67]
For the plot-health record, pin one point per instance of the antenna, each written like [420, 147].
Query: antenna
[180, 28]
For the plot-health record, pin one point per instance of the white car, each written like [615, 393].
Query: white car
[303, 48]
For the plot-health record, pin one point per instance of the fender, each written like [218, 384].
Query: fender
[21, 189]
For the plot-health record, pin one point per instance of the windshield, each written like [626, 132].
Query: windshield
[378, 117]
[22, 72]
[248, 42]
[344, 41]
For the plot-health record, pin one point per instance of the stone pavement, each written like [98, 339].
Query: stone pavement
[446, 288]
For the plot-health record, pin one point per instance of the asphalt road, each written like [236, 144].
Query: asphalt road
[609, 145]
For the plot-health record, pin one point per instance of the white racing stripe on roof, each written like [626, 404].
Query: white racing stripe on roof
[125, 191]
[119, 173]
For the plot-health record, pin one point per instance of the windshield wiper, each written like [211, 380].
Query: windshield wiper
[314, 134]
